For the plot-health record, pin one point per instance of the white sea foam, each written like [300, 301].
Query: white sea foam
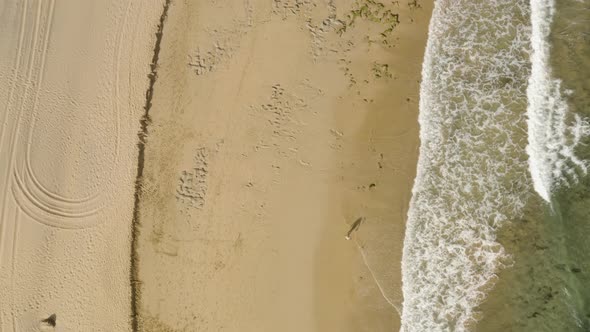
[552, 136]
[472, 172]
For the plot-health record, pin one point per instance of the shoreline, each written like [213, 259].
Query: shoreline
[261, 149]
[380, 165]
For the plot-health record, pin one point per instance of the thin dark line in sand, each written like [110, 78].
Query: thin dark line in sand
[142, 135]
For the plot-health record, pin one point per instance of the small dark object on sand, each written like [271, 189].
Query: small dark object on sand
[51, 320]
[354, 227]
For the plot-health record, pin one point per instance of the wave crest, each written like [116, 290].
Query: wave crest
[472, 172]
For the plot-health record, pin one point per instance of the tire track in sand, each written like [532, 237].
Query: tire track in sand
[13, 268]
[14, 130]
[45, 204]
[32, 71]
[16, 69]
[116, 65]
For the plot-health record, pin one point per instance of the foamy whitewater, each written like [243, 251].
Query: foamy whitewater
[472, 171]
[551, 139]
[494, 129]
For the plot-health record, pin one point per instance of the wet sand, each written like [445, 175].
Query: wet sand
[274, 126]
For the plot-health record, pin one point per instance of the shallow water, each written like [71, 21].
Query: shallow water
[499, 221]
[546, 289]
[472, 174]
[570, 61]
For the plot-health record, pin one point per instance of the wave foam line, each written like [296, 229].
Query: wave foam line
[472, 176]
[552, 136]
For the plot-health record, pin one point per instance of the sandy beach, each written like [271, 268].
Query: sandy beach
[72, 82]
[195, 166]
[274, 127]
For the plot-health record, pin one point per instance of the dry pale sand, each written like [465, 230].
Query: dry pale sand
[72, 90]
[274, 126]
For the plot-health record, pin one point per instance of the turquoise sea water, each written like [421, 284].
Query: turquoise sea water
[499, 224]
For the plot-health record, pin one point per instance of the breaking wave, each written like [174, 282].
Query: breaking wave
[472, 172]
[552, 135]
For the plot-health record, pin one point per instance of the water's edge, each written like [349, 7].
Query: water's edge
[499, 220]
[472, 176]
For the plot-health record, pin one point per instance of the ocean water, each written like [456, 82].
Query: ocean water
[569, 40]
[499, 222]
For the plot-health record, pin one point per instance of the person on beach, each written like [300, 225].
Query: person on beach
[354, 227]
